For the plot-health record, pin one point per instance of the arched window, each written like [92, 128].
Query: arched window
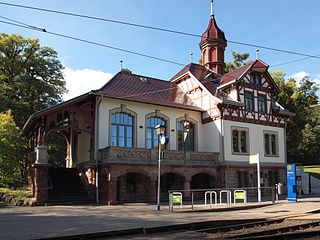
[121, 130]
[152, 136]
[185, 136]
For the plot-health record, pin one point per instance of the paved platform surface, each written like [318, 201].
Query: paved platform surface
[50, 221]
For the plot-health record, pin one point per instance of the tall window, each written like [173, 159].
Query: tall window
[262, 104]
[121, 130]
[152, 136]
[271, 143]
[185, 136]
[240, 140]
[249, 101]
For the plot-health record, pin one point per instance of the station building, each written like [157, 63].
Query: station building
[214, 121]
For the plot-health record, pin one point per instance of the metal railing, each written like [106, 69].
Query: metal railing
[198, 198]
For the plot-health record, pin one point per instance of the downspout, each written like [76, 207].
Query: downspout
[285, 142]
[97, 150]
[222, 146]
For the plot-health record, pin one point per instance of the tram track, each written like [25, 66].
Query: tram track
[270, 229]
[277, 228]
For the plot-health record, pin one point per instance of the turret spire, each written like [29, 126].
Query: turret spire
[212, 45]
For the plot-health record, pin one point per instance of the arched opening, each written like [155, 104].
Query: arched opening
[202, 181]
[133, 187]
[57, 149]
[171, 181]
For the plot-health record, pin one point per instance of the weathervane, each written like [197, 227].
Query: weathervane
[212, 8]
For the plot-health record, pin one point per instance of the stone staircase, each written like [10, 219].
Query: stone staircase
[67, 187]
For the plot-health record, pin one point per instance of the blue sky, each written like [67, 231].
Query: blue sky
[291, 25]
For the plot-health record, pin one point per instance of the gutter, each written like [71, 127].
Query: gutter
[231, 102]
[97, 149]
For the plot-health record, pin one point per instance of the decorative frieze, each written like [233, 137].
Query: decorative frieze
[147, 156]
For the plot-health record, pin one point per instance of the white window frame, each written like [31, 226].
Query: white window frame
[239, 130]
[271, 133]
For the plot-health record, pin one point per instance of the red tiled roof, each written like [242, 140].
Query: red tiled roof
[212, 32]
[235, 74]
[128, 86]
[208, 78]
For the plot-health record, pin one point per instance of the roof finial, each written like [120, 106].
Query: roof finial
[212, 13]
[121, 65]
[191, 54]
[257, 53]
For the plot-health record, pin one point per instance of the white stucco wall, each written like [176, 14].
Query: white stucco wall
[256, 142]
[209, 136]
[208, 140]
[83, 143]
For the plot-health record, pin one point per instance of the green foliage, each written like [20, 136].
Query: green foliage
[20, 194]
[57, 149]
[303, 129]
[31, 80]
[12, 150]
[240, 59]
[314, 170]
[31, 77]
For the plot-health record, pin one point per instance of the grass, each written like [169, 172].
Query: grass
[314, 170]
[20, 194]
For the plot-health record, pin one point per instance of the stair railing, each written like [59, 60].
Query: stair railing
[83, 176]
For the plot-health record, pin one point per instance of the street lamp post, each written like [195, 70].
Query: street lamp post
[160, 131]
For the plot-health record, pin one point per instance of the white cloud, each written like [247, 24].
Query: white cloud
[84, 80]
[317, 79]
[298, 76]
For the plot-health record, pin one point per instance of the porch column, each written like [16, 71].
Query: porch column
[41, 183]
[152, 190]
[186, 187]
[41, 175]
[103, 187]
[112, 192]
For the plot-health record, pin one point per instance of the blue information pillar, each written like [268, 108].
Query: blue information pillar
[291, 182]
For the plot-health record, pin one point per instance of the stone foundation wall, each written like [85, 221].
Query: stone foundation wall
[115, 188]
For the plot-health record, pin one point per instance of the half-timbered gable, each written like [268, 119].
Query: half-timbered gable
[199, 84]
[252, 86]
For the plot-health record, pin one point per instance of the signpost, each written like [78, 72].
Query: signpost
[291, 182]
[255, 159]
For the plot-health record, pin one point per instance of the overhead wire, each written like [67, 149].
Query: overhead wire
[24, 25]
[91, 42]
[153, 28]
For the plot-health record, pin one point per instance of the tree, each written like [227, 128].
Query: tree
[31, 77]
[303, 129]
[12, 150]
[31, 80]
[240, 59]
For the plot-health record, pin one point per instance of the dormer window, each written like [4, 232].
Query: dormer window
[255, 79]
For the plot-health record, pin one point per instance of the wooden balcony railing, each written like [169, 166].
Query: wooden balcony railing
[147, 156]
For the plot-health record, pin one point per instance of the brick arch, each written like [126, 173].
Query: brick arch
[179, 172]
[205, 171]
[203, 180]
[133, 186]
[134, 169]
